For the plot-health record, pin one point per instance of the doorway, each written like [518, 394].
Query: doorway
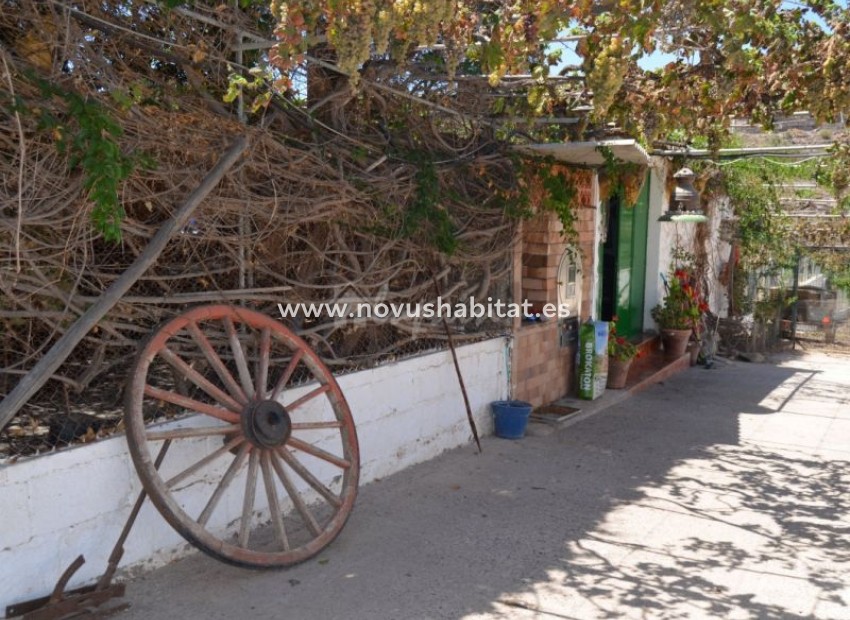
[622, 265]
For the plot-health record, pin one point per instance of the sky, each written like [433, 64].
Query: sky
[659, 59]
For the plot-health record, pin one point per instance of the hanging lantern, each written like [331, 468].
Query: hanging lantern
[684, 202]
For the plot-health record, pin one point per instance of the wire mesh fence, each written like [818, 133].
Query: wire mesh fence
[61, 415]
[775, 312]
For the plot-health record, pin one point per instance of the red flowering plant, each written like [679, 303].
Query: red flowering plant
[683, 305]
[618, 347]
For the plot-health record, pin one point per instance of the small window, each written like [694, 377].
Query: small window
[569, 281]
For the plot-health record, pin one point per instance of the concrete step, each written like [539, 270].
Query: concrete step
[650, 368]
[653, 366]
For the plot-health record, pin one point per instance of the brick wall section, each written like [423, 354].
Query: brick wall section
[541, 370]
[542, 246]
[586, 226]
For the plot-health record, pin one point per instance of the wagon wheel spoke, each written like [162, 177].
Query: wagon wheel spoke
[216, 362]
[186, 433]
[274, 504]
[190, 403]
[223, 484]
[306, 426]
[309, 478]
[287, 374]
[318, 453]
[204, 461]
[248, 361]
[239, 357]
[202, 382]
[308, 397]
[248, 502]
[300, 506]
[263, 362]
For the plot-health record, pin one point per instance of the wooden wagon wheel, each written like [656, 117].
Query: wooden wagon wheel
[248, 400]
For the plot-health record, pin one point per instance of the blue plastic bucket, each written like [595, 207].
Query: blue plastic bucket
[510, 418]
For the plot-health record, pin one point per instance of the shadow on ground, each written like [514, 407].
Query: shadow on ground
[707, 496]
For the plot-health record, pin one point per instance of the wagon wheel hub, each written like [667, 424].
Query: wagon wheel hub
[266, 423]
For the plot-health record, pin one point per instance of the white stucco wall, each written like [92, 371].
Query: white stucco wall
[663, 237]
[658, 239]
[597, 252]
[718, 256]
[55, 507]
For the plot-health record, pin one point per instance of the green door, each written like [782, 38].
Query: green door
[623, 273]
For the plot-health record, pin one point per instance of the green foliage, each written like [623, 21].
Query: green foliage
[258, 85]
[559, 195]
[619, 347]
[554, 188]
[836, 265]
[769, 240]
[94, 148]
[683, 304]
[624, 179]
[765, 234]
[834, 173]
[426, 214]
[89, 138]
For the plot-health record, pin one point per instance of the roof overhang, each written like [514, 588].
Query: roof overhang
[589, 153]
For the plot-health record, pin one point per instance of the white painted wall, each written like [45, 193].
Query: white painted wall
[662, 237]
[658, 239]
[55, 507]
[718, 256]
[596, 200]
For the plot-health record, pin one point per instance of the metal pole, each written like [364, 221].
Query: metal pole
[794, 292]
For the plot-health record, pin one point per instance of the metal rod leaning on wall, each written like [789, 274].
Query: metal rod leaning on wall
[795, 293]
[457, 369]
[59, 352]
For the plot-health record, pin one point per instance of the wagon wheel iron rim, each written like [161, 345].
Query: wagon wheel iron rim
[275, 460]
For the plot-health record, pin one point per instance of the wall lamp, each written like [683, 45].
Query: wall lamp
[684, 202]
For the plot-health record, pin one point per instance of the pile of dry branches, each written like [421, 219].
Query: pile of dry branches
[345, 201]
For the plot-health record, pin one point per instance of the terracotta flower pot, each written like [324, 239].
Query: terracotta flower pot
[618, 371]
[675, 342]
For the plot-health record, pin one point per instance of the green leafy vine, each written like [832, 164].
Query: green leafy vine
[559, 197]
[90, 139]
[624, 179]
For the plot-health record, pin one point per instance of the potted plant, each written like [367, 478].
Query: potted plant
[679, 314]
[621, 354]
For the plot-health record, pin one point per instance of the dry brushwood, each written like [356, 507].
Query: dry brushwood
[359, 199]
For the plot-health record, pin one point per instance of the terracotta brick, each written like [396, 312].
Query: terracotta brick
[541, 272]
[538, 249]
[534, 276]
[537, 225]
[535, 284]
[536, 260]
[551, 260]
[537, 296]
[530, 375]
[537, 383]
[536, 237]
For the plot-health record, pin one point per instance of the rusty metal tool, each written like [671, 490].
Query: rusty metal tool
[86, 601]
